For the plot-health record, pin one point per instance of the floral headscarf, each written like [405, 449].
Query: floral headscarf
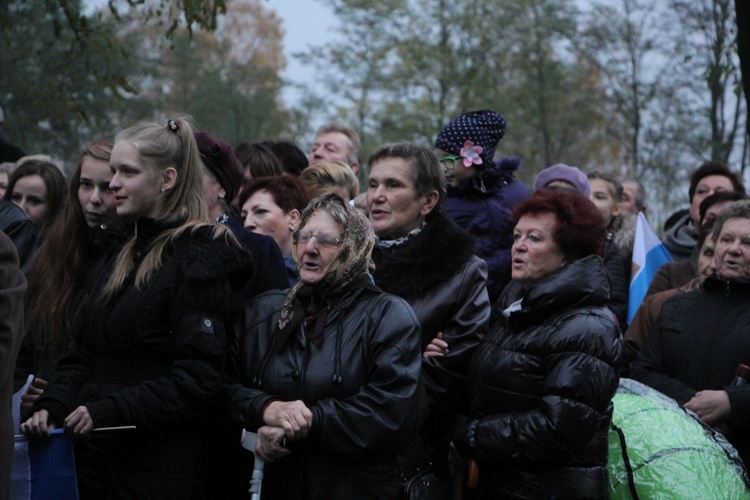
[349, 268]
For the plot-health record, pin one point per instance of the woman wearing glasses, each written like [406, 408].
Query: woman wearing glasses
[481, 194]
[329, 371]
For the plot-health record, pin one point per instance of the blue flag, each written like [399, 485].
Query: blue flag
[44, 469]
[648, 256]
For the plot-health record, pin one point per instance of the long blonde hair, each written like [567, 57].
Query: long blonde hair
[160, 147]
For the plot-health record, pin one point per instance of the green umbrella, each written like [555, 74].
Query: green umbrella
[658, 450]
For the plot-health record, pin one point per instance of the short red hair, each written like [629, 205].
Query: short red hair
[579, 231]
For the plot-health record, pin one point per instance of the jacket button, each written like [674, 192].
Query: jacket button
[207, 323]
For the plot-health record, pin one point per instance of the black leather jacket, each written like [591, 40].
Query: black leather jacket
[362, 386]
[541, 388]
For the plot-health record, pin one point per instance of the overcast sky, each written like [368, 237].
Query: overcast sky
[306, 23]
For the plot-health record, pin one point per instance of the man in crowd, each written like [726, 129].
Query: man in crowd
[336, 142]
[633, 197]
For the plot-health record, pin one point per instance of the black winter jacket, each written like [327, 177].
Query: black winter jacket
[696, 344]
[541, 389]
[362, 386]
[154, 358]
[445, 283]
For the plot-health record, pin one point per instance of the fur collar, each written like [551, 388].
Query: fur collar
[202, 257]
[433, 257]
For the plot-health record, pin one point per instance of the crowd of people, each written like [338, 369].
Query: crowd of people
[441, 330]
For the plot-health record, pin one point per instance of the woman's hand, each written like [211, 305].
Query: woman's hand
[712, 407]
[293, 417]
[32, 394]
[270, 443]
[79, 423]
[436, 347]
[38, 425]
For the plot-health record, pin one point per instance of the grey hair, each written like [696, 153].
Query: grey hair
[426, 173]
[355, 145]
[640, 192]
[735, 210]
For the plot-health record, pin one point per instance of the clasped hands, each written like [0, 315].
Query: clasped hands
[284, 421]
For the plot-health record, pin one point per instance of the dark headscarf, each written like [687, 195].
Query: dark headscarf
[349, 269]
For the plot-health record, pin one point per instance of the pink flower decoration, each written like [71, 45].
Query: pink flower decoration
[470, 153]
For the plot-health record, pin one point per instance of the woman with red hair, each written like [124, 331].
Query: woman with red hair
[542, 382]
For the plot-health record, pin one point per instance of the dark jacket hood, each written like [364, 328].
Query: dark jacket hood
[680, 239]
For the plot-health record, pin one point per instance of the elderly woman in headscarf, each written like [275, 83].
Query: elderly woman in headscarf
[329, 372]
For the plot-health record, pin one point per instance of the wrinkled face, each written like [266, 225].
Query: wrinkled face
[136, 186]
[602, 194]
[706, 260]
[314, 257]
[454, 169]
[706, 187]
[629, 195]
[30, 193]
[97, 201]
[395, 209]
[733, 249]
[535, 253]
[331, 146]
[262, 215]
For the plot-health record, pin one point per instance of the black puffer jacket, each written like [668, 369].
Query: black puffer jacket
[154, 358]
[696, 344]
[363, 388]
[541, 389]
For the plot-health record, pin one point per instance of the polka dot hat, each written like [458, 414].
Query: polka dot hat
[483, 128]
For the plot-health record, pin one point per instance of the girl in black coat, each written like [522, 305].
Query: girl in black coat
[149, 345]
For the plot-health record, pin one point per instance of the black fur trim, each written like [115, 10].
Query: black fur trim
[433, 257]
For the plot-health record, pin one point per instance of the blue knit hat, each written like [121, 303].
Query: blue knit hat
[482, 128]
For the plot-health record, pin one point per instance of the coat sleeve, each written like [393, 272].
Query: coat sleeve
[445, 376]
[198, 311]
[662, 280]
[244, 403]
[583, 363]
[649, 367]
[389, 408]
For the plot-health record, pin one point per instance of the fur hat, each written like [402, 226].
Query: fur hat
[219, 159]
[565, 173]
[482, 129]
